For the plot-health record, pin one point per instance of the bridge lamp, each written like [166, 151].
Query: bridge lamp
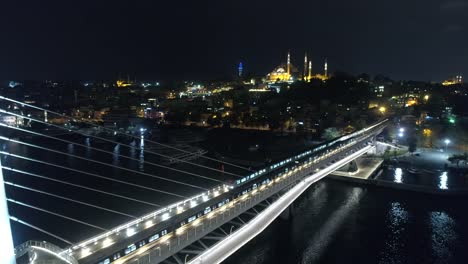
[215, 193]
[205, 198]
[85, 252]
[447, 142]
[400, 134]
[193, 204]
[165, 216]
[149, 223]
[130, 232]
[180, 209]
[107, 242]
[402, 130]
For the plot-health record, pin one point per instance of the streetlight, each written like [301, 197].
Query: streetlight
[447, 141]
[382, 109]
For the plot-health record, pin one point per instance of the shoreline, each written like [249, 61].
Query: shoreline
[401, 186]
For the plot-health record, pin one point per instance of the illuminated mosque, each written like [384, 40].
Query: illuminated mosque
[288, 73]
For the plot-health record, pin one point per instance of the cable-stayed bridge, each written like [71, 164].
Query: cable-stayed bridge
[128, 206]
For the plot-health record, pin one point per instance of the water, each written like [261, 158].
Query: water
[443, 179]
[339, 222]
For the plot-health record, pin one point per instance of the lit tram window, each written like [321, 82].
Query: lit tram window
[192, 218]
[116, 256]
[106, 261]
[130, 249]
[153, 238]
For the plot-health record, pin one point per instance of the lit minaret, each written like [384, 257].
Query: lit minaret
[309, 77]
[326, 68]
[241, 68]
[305, 67]
[289, 64]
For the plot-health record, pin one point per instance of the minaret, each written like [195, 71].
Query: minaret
[326, 68]
[289, 64]
[241, 68]
[309, 77]
[304, 78]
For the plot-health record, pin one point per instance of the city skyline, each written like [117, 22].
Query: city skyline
[408, 41]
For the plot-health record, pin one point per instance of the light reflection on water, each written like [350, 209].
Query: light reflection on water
[443, 236]
[397, 219]
[443, 181]
[319, 242]
[141, 163]
[115, 156]
[398, 175]
[88, 147]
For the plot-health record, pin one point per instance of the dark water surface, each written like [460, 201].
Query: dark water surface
[339, 222]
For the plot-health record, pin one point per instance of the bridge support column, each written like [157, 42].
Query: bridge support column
[288, 213]
[7, 253]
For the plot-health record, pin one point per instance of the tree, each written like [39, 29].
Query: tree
[331, 133]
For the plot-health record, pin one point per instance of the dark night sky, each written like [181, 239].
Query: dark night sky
[404, 39]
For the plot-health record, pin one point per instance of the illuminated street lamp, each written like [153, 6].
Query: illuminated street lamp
[382, 109]
[446, 141]
[402, 130]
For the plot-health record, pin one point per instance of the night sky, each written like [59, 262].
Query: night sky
[403, 39]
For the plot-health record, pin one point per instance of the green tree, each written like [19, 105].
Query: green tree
[331, 133]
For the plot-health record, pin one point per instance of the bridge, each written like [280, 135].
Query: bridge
[204, 228]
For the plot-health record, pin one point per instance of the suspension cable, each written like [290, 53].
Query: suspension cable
[79, 186]
[53, 213]
[111, 141]
[109, 129]
[67, 199]
[97, 149]
[104, 163]
[92, 174]
[39, 229]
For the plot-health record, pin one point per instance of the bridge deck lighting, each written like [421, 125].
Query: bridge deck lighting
[165, 216]
[196, 222]
[193, 204]
[210, 215]
[149, 223]
[107, 242]
[130, 232]
[85, 252]
[180, 231]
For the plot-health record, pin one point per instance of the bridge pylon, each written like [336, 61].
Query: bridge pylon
[7, 252]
